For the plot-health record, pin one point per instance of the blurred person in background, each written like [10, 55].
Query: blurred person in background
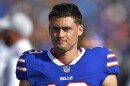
[4, 51]
[16, 38]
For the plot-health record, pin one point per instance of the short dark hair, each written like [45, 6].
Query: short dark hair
[64, 10]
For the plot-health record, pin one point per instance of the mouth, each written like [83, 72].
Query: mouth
[60, 41]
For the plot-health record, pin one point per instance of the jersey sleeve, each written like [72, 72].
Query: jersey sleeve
[21, 70]
[112, 63]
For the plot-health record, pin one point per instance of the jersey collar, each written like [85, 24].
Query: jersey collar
[58, 62]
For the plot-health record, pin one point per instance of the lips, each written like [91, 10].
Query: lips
[60, 41]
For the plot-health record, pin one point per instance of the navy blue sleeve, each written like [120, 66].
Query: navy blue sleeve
[21, 70]
[112, 63]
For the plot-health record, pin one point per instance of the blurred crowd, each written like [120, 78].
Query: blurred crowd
[24, 25]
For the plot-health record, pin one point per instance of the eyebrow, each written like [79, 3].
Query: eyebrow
[61, 26]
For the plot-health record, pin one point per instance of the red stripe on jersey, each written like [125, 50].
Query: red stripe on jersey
[111, 56]
[22, 69]
[112, 63]
[21, 60]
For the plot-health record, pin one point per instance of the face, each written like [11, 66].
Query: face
[64, 33]
[1, 35]
[8, 37]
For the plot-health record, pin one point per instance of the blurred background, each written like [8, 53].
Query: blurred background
[106, 23]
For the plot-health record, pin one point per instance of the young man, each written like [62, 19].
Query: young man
[66, 64]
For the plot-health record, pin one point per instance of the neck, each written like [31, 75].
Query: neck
[67, 56]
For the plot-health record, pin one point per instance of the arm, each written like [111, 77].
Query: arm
[21, 71]
[112, 68]
[24, 83]
[111, 80]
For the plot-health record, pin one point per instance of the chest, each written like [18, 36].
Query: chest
[85, 73]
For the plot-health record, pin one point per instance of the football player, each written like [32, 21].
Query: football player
[67, 64]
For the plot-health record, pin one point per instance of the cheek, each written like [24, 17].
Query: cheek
[73, 35]
[7, 35]
[53, 35]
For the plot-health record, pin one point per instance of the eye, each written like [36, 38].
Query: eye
[66, 28]
[54, 28]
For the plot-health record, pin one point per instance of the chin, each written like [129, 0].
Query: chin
[60, 48]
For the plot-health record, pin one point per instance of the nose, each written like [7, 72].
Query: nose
[61, 33]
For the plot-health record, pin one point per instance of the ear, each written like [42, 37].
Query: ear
[80, 30]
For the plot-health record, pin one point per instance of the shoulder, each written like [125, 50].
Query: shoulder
[34, 51]
[100, 53]
[30, 55]
[99, 50]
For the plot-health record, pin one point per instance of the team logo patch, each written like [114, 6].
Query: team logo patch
[66, 69]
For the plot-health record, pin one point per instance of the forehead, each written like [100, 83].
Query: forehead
[64, 21]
